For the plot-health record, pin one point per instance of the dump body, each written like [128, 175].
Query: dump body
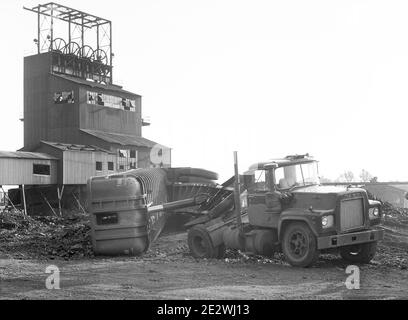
[129, 210]
[119, 220]
[118, 205]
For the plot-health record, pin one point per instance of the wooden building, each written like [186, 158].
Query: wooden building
[77, 122]
[67, 109]
[27, 168]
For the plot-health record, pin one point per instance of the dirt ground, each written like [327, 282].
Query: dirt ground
[167, 271]
[28, 245]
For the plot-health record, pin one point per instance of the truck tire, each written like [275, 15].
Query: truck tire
[299, 245]
[359, 253]
[200, 244]
[264, 242]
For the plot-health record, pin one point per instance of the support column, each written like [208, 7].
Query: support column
[24, 200]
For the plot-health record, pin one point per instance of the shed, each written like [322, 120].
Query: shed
[79, 162]
[27, 168]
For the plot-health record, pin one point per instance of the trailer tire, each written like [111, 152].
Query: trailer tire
[299, 245]
[360, 253]
[200, 244]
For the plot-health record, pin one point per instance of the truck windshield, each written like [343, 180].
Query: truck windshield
[298, 175]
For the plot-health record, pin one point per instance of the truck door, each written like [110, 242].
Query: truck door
[259, 193]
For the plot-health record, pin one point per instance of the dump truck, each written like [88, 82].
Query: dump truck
[280, 206]
[129, 210]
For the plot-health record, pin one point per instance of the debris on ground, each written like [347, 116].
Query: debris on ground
[393, 249]
[45, 237]
[68, 237]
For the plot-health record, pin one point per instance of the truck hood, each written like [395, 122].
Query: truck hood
[325, 189]
[320, 197]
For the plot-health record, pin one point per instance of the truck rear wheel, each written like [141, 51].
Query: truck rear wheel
[359, 253]
[299, 245]
[200, 244]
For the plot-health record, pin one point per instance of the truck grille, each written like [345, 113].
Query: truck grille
[351, 213]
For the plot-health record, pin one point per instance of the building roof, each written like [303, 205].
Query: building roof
[26, 155]
[92, 84]
[122, 139]
[75, 147]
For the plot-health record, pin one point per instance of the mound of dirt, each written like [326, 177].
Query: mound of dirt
[45, 237]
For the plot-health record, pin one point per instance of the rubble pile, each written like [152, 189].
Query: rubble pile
[45, 237]
[236, 256]
[68, 237]
[393, 249]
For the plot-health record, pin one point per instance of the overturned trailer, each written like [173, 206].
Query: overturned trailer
[129, 210]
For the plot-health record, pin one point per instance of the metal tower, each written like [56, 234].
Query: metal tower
[80, 43]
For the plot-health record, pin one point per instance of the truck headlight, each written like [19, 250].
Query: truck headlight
[374, 212]
[327, 221]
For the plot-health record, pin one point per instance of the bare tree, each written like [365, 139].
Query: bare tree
[365, 176]
[347, 176]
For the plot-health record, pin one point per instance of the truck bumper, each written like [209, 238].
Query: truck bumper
[349, 239]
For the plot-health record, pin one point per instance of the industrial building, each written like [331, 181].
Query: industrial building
[77, 122]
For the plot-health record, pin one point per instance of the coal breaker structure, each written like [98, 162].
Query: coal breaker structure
[77, 122]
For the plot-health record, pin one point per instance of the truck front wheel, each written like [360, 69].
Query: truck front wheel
[359, 253]
[299, 245]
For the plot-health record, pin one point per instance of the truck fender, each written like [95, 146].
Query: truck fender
[295, 218]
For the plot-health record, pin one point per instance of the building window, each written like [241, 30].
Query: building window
[132, 159]
[98, 166]
[64, 97]
[42, 169]
[127, 159]
[106, 100]
[110, 166]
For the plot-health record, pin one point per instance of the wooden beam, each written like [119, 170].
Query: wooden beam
[60, 194]
[24, 201]
[6, 195]
[79, 203]
[52, 209]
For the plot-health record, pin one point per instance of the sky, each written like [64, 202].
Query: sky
[264, 78]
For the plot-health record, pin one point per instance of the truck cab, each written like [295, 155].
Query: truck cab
[285, 197]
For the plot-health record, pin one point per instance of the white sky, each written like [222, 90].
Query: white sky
[266, 78]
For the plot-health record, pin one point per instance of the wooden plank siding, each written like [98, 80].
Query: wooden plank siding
[20, 171]
[36, 82]
[45, 120]
[95, 117]
[78, 167]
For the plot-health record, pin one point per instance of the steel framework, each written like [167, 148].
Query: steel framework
[72, 53]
